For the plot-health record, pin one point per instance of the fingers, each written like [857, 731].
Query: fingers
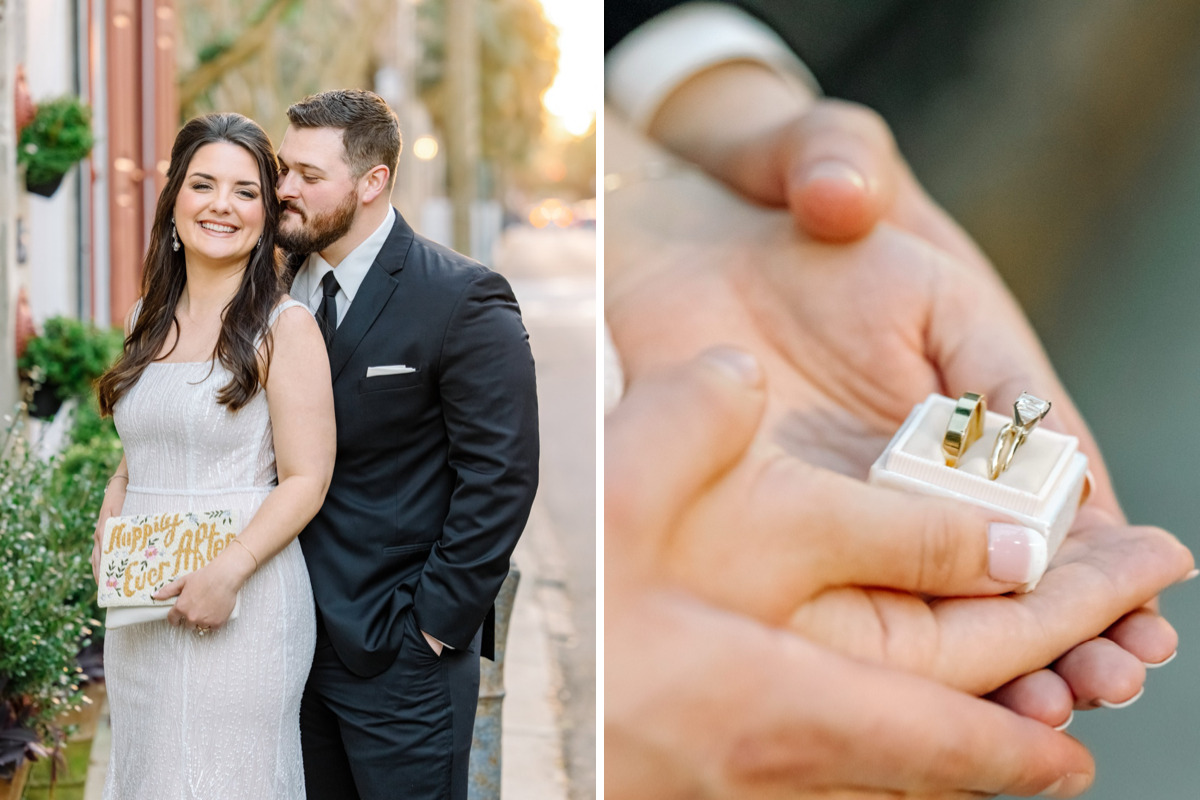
[1146, 636]
[1097, 577]
[1043, 696]
[1101, 673]
[797, 720]
[964, 743]
[172, 589]
[674, 434]
[841, 169]
[781, 531]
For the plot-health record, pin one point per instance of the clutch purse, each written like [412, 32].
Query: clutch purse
[142, 553]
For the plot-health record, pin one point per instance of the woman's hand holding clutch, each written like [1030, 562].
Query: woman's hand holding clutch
[208, 595]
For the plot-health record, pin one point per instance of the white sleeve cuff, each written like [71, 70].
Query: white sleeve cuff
[664, 52]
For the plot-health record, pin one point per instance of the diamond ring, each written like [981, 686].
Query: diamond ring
[1028, 411]
[202, 630]
[965, 426]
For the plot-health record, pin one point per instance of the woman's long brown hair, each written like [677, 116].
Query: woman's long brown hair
[244, 323]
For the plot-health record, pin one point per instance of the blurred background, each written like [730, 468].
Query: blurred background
[1063, 137]
[497, 101]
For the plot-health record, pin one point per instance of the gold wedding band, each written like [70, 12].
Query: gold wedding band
[1028, 411]
[965, 426]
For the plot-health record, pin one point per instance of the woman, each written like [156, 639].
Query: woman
[223, 401]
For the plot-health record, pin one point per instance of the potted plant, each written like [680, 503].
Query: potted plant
[65, 359]
[59, 136]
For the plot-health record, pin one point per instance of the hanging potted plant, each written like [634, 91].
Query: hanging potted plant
[64, 359]
[59, 136]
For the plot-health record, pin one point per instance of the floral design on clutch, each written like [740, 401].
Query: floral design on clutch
[140, 554]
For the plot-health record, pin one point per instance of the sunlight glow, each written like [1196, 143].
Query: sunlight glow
[577, 88]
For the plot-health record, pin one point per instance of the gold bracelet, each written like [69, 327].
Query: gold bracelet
[248, 550]
[114, 477]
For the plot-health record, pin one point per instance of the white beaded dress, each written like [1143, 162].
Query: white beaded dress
[216, 716]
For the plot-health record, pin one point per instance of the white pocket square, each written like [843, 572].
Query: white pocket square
[394, 369]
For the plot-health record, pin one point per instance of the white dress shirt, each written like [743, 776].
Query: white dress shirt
[350, 273]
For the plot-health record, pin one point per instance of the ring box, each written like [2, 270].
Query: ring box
[1041, 489]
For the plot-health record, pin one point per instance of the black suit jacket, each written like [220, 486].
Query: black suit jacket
[869, 52]
[437, 468]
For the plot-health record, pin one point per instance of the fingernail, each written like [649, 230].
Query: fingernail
[1066, 723]
[1016, 554]
[1162, 663]
[1123, 703]
[1067, 786]
[1190, 575]
[835, 172]
[738, 364]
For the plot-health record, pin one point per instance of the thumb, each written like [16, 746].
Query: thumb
[671, 436]
[841, 170]
[805, 529]
[926, 545]
[172, 589]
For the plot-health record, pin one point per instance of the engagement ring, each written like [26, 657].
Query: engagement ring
[1028, 411]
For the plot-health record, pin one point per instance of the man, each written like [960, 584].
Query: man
[436, 467]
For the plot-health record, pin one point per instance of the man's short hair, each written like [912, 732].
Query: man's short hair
[370, 130]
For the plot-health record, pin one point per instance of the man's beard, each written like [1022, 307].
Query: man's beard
[318, 232]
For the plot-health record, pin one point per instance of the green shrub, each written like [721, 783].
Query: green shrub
[43, 621]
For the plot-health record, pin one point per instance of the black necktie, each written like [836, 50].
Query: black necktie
[327, 312]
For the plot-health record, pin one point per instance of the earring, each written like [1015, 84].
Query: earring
[174, 237]
[259, 242]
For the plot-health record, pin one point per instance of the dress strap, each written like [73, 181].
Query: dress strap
[282, 307]
[279, 309]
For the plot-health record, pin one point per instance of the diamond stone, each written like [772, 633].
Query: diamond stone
[1030, 410]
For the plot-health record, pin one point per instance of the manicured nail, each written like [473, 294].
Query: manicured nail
[1162, 663]
[1016, 554]
[738, 364]
[1123, 703]
[835, 172]
[1071, 785]
[1066, 723]
[1190, 575]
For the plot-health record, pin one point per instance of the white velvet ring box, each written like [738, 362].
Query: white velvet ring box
[1040, 489]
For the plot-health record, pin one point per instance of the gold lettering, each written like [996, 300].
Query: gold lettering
[117, 532]
[187, 555]
[128, 577]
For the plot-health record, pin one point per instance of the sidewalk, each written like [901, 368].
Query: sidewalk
[531, 740]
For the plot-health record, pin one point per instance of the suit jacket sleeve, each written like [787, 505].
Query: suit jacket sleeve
[489, 405]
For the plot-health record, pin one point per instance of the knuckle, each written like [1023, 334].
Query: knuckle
[940, 548]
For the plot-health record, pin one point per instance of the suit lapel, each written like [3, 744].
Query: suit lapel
[376, 289]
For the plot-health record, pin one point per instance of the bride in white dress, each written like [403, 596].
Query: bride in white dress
[223, 401]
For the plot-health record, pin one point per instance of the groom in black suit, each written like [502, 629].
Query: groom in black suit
[436, 466]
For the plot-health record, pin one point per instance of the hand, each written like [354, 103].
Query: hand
[114, 499]
[434, 645]
[851, 337]
[732, 707]
[789, 544]
[208, 595]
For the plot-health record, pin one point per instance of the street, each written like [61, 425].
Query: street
[553, 274]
